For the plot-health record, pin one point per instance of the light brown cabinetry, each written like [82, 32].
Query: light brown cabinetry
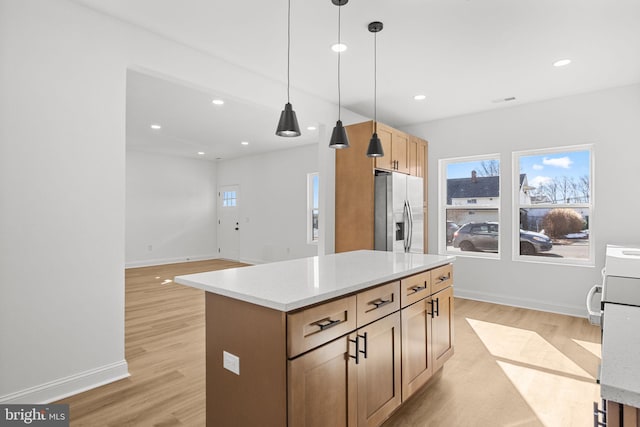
[417, 156]
[343, 362]
[395, 145]
[354, 189]
[417, 365]
[620, 415]
[427, 335]
[323, 389]
[442, 327]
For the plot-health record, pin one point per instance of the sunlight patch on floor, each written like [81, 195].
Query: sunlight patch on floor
[592, 347]
[524, 346]
[557, 400]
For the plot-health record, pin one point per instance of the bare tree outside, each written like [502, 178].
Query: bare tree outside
[489, 168]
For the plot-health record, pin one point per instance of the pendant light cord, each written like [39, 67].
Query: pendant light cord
[339, 54]
[375, 82]
[288, 47]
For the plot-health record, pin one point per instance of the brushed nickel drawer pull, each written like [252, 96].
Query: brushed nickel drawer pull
[417, 289]
[327, 323]
[380, 302]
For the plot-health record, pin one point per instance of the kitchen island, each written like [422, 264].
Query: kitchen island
[330, 340]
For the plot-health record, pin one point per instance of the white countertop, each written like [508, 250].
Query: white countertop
[620, 368]
[623, 261]
[289, 285]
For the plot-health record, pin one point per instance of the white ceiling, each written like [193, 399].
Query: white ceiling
[461, 54]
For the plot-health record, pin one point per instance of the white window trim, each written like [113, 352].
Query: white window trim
[442, 206]
[310, 239]
[515, 162]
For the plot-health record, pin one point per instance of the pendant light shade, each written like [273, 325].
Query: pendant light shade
[375, 146]
[288, 124]
[339, 137]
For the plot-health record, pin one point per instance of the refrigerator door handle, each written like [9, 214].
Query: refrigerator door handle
[410, 236]
[405, 220]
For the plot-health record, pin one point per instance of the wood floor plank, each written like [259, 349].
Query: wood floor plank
[493, 379]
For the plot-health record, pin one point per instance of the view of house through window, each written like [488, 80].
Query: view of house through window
[471, 210]
[313, 185]
[554, 204]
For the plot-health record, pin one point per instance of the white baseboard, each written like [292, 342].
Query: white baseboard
[521, 302]
[162, 261]
[68, 386]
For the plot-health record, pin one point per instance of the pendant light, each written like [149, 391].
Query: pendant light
[339, 137]
[375, 146]
[288, 124]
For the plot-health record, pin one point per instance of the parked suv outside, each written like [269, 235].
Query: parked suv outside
[483, 236]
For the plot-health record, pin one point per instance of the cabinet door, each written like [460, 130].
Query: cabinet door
[416, 347]
[379, 384]
[386, 161]
[400, 151]
[442, 327]
[322, 387]
[413, 157]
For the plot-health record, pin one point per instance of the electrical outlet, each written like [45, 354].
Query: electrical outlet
[231, 362]
[150, 248]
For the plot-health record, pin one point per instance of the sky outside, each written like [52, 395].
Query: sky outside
[539, 168]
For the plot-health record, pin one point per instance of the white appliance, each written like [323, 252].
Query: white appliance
[619, 317]
[399, 216]
[620, 281]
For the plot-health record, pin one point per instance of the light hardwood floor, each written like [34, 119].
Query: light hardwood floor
[512, 367]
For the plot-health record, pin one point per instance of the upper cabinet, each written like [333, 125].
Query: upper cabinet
[417, 155]
[355, 187]
[395, 145]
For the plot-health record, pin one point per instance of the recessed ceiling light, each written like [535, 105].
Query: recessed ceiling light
[311, 128]
[338, 47]
[217, 102]
[562, 63]
[200, 153]
[511, 98]
[244, 143]
[420, 97]
[156, 127]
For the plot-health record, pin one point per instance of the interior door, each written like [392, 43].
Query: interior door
[229, 222]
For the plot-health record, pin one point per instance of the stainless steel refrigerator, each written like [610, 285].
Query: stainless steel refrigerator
[399, 218]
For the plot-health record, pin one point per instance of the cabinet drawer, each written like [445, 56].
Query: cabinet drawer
[414, 288]
[378, 302]
[317, 325]
[441, 277]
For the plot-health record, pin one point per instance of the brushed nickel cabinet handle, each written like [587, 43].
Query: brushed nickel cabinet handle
[357, 343]
[327, 323]
[380, 302]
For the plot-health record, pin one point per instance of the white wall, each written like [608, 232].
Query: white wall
[272, 202]
[62, 181]
[170, 209]
[609, 120]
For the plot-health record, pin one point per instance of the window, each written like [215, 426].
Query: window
[553, 202]
[313, 185]
[470, 206]
[229, 199]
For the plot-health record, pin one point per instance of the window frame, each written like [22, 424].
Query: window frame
[310, 208]
[515, 235]
[443, 207]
